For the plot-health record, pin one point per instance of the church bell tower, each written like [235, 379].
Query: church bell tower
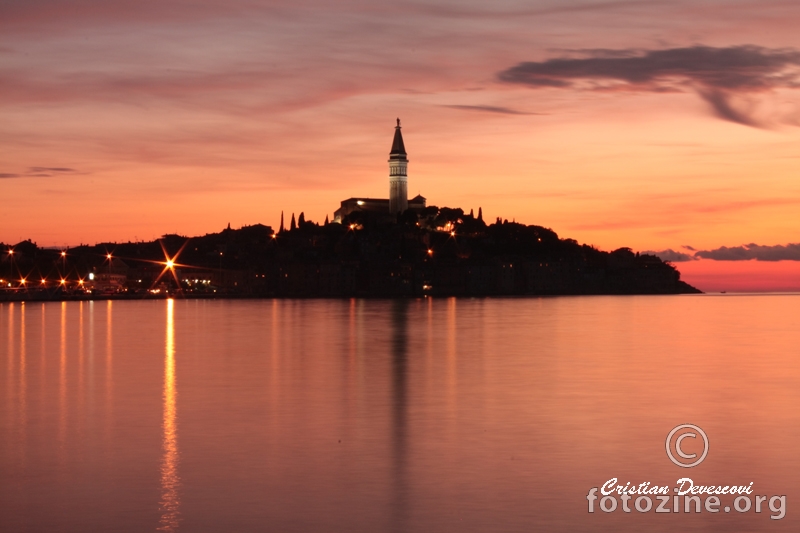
[398, 174]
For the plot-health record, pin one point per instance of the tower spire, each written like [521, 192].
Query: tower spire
[398, 173]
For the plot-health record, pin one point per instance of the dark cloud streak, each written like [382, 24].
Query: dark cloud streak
[39, 172]
[721, 105]
[716, 74]
[51, 169]
[671, 255]
[747, 252]
[490, 109]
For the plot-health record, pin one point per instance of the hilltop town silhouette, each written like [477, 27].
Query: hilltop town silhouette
[438, 251]
[372, 248]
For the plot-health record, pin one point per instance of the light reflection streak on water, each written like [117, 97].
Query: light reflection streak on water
[275, 359]
[109, 360]
[62, 384]
[452, 378]
[10, 374]
[352, 358]
[42, 346]
[170, 482]
[80, 355]
[23, 408]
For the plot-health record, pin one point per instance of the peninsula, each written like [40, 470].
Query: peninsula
[440, 251]
[392, 247]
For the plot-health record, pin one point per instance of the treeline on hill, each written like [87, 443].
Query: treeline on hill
[435, 251]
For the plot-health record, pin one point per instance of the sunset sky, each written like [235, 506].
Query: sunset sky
[652, 125]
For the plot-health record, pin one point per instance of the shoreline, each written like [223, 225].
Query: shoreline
[22, 298]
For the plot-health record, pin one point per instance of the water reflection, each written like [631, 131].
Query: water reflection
[62, 384]
[170, 482]
[452, 399]
[462, 415]
[81, 342]
[109, 337]
[399, 347]
[109, 375]
[23, 385]
[10, 363]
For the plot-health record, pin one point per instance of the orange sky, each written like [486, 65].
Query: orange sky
[123, 121]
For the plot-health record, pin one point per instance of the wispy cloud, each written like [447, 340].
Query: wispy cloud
[39, 172]
[51, 169]
[490, 109]
[671, 255]
[746, 252]
[718, 75]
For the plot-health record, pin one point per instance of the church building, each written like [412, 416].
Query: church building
[398, 200]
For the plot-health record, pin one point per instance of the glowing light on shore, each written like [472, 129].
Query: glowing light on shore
[170, 263]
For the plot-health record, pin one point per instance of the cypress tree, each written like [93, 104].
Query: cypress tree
[293, 225]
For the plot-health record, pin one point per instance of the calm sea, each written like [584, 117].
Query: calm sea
[429, 415]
